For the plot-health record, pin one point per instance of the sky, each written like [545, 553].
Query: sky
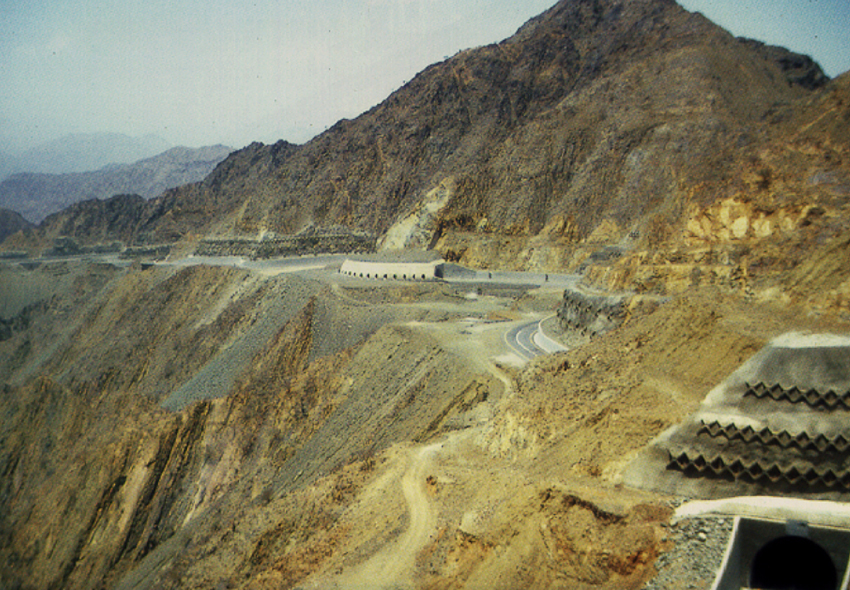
[201, 72]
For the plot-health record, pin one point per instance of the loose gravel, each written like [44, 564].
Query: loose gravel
[698, 548]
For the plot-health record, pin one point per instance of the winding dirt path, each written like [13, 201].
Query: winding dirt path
[393, 566]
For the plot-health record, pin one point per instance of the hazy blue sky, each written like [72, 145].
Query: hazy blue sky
[199, 72]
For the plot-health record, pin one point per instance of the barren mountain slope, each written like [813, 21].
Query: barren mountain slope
[775, 229]
[609, 116]
[568, 116]
[97, 475]
[168, 426]
[413, 443]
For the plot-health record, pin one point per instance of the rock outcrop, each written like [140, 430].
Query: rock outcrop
[591, 314]
[334, 240]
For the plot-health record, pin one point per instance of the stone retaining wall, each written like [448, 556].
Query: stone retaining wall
[287, 246]
[591, 314]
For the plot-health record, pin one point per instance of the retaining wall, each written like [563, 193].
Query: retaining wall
[591, 314]
[420, 271]
[287, 246]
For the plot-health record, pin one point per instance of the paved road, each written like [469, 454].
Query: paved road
[270, 266]
[454, 273]
[528, 340]
[520, 339]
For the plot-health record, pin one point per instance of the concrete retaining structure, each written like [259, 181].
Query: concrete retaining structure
[781, 542]
[281, 246]
[778, 424]
[419, 271]
[591, 314]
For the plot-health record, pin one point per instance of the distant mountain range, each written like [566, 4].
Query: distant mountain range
[8, 164]
[81, 152]
[37, 195]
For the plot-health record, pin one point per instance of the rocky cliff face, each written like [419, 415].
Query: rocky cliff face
[780, 210]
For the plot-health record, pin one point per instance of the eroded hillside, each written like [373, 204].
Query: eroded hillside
[206, 427]
[107, 454]
[184, 425]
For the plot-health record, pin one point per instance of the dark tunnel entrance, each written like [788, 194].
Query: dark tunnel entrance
[793, 563]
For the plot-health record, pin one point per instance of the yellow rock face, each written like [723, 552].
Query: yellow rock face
[736, 220]
[605, 232]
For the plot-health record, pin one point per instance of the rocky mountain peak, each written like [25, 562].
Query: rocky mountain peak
[800, 70]
[598, 121]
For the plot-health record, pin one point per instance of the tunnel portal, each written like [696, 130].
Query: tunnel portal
[793, 563]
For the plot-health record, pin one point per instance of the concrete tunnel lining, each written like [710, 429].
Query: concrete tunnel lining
[774, 555]
[780, 542]
[406, 270]
[792, 562]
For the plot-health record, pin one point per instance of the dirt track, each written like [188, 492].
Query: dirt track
[394, 565]
[482, 347]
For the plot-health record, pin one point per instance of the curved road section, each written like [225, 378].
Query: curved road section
[528, 340]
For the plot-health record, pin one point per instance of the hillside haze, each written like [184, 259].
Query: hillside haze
[81, 152]
[171, 420]
[36, 196]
